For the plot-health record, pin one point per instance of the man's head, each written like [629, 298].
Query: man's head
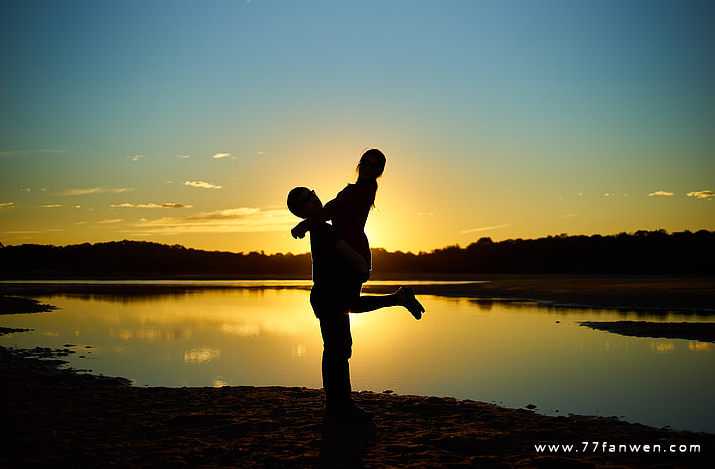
[303, 201]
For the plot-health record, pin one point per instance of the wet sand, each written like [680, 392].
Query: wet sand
[64, 419]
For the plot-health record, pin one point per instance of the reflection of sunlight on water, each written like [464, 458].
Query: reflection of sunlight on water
[241, 330]
[236, 313]
[219, 382]
[700, 346]
[202, 355]
[662, 347]
[300, 351]
[146, 334]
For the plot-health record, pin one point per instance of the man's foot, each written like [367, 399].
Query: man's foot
[349, 411]
[410, 302]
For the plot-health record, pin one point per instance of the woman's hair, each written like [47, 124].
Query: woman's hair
[379, 157]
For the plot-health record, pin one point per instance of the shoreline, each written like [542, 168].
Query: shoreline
[68, 418]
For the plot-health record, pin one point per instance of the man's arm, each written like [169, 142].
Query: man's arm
[352, 256]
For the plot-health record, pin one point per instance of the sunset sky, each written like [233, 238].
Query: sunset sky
[187, 122]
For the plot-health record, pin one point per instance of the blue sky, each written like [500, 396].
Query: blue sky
[187, 122]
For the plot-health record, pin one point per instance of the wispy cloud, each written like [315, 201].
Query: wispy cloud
[7, 205]
[484, 228]
[425, 214]
[701, 194]
[202, 184]
[222, 155]
[135, 157]
[22, 152]
[183, 156]
[110, 221]
[50, 206]
[234, 220]
[151, 205]
[657, 193]
[96, 190]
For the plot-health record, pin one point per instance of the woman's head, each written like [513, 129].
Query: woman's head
[371, 165]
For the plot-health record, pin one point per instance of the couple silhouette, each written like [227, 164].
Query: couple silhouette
[342, 262]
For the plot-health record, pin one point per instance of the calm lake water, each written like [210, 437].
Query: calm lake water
[260, 334]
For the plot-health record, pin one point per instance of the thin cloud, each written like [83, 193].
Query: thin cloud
[22, 152]
[7, 205]
[150, 205]
[50, 206]
[663, 193]
[96, 190]
[183, 156]
[110, 221]
[234, 220]
[201, 184]
[484, 228]
[135, 157]
[221, 155]
[701, 194]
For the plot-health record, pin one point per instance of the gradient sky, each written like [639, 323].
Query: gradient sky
[187, 122]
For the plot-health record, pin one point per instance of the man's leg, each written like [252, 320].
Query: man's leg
[337, 350]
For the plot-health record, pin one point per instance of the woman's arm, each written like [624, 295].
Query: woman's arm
[352, 198]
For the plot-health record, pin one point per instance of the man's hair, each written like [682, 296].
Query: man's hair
[293, 197]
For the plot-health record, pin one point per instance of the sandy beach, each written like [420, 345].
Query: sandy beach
[67, 420]
[64, 419]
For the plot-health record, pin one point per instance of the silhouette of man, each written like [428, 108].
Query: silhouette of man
[338, 274]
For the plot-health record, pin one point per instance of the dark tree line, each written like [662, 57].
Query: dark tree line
[643, 252]
[144, 259]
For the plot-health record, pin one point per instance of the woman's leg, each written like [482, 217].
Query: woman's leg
[402, 297]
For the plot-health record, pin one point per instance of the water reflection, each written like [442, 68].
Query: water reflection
[695, 346]
[202, 355]
[510, 353]
[662, 347]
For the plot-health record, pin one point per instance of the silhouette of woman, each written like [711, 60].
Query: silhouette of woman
[348, 212]
[350, 208]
